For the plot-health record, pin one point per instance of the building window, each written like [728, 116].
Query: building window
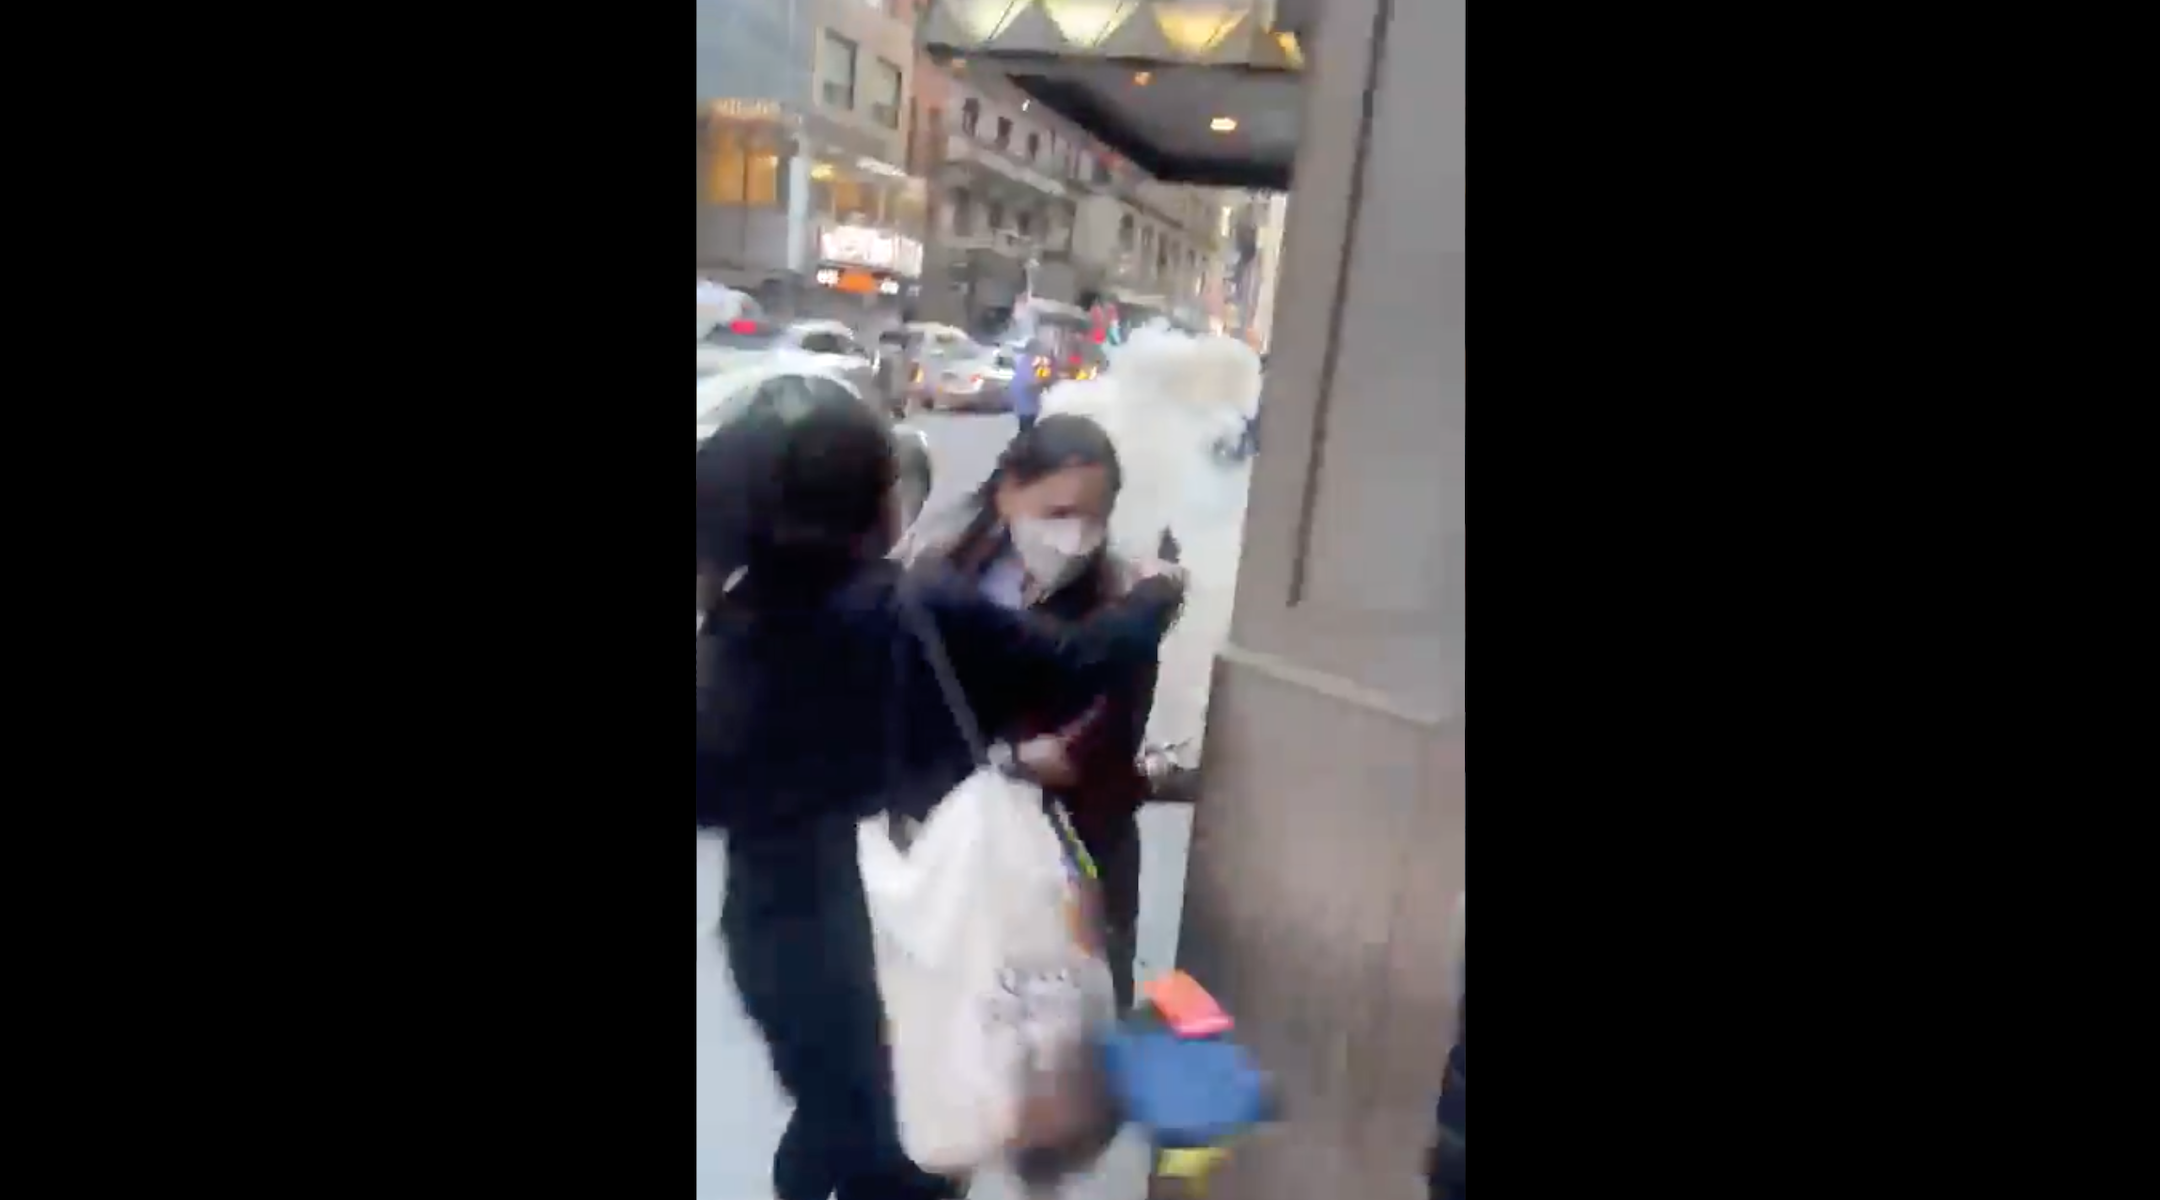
[1102, 173]
[993, 216]
[1003, 140]
[923, 149]
[853, 202]
[1125, 233]
[1024, 223]
[970, 117]
[963, 214]
[885, 89]
[761, 180]
[836, 72]
[737, 174]
[724, 178]
[1034, 146]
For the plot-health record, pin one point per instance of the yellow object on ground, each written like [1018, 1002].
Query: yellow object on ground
[1190, 1164]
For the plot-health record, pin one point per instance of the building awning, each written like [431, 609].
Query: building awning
[1192, 91]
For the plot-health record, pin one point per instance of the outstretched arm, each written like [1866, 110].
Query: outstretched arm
[1031, 659]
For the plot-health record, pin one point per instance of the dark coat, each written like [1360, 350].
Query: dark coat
[814, 717]
[1102, 726]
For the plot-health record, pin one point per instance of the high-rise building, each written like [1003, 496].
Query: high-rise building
[1026, 203]
[803, 128]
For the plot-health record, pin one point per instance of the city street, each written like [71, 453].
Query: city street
[739, 1109]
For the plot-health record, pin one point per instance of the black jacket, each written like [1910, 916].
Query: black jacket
[816, 716]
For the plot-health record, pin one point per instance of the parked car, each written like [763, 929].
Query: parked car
[831, 341]
[977, 384]
[721, 377]
[928, 348]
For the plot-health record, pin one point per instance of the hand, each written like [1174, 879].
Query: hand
[1156, 568]
[1047, 762]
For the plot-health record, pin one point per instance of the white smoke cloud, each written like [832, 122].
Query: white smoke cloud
[1167, 400]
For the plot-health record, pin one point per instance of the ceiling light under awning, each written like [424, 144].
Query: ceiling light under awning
[1197, 28]
[1083, 22]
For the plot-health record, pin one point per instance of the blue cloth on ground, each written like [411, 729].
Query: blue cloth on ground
[1186, 1092]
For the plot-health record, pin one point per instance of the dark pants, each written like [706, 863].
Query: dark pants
[1116, 851]
[810, 985]
[1449, 1160]
[1026, 420]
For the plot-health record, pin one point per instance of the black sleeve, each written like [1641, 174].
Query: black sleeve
[1009, 662]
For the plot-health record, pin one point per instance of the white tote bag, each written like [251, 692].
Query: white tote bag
[983, 956]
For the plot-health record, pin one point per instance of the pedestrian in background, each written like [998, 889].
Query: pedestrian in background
[1032, 372]
[817, 709]
[1032, 537]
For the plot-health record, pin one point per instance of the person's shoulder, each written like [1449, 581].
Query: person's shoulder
[939, 536]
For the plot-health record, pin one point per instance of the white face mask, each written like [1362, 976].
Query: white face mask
[1053, 548]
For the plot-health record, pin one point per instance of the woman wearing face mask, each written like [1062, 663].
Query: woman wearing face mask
[1032, 538]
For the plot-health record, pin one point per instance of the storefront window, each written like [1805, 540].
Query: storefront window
[845, 197]
[724, 179]
[761, 180]
[740, 172]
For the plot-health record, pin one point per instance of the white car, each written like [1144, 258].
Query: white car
[831, 344]
[729, 378]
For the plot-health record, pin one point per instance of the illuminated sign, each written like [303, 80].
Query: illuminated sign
[745, 110]
[864, 246]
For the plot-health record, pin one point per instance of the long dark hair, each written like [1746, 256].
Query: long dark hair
[1050, 445]
[791, 488]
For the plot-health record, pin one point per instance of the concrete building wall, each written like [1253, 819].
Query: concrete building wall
[1329, 845]
[879, 32]
[751, 50]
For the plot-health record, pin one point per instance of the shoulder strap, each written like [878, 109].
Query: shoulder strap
[925, 631]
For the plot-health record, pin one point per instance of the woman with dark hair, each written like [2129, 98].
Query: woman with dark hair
[818, 708]
[1032, 539]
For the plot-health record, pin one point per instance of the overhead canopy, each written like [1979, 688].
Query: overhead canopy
[1203, 92]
